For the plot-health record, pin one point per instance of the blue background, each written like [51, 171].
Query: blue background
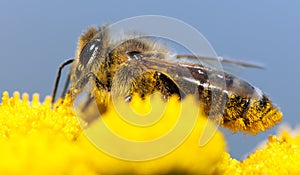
[36, 36]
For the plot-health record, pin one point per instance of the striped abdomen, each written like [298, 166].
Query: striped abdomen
[233, 102]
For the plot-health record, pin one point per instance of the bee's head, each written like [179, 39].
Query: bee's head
[91, 49]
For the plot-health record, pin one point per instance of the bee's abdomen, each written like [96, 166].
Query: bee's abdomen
[237, 105]
[249, 114]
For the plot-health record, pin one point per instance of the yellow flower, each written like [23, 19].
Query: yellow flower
[38, 139]
[145, 137]
[280, 155]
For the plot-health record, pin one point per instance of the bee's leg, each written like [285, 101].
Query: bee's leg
[167, 86]
[90, 107]
[79, 86]
[98, 83]
[87, 103]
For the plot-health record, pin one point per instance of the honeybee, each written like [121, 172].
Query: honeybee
[140, 65]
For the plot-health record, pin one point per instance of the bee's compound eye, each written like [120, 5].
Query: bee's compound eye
[89, 52]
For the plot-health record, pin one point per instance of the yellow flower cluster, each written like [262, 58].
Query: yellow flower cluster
[281, 155]
[36, 138]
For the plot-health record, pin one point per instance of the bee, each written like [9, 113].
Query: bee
[139, 65]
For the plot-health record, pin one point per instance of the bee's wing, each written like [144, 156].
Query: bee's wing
[186, 77]
[222, 60]
[232, 66]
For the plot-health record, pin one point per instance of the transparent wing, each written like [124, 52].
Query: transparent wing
[222, 60]
[232, 66]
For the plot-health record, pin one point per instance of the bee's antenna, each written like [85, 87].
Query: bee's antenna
[64, 92]
[67, 62]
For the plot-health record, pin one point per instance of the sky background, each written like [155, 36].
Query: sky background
[36, 36]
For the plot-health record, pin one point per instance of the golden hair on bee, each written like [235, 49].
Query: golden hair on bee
[139, 64]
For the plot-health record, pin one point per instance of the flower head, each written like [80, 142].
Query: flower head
[38, 139]
[280, 155]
